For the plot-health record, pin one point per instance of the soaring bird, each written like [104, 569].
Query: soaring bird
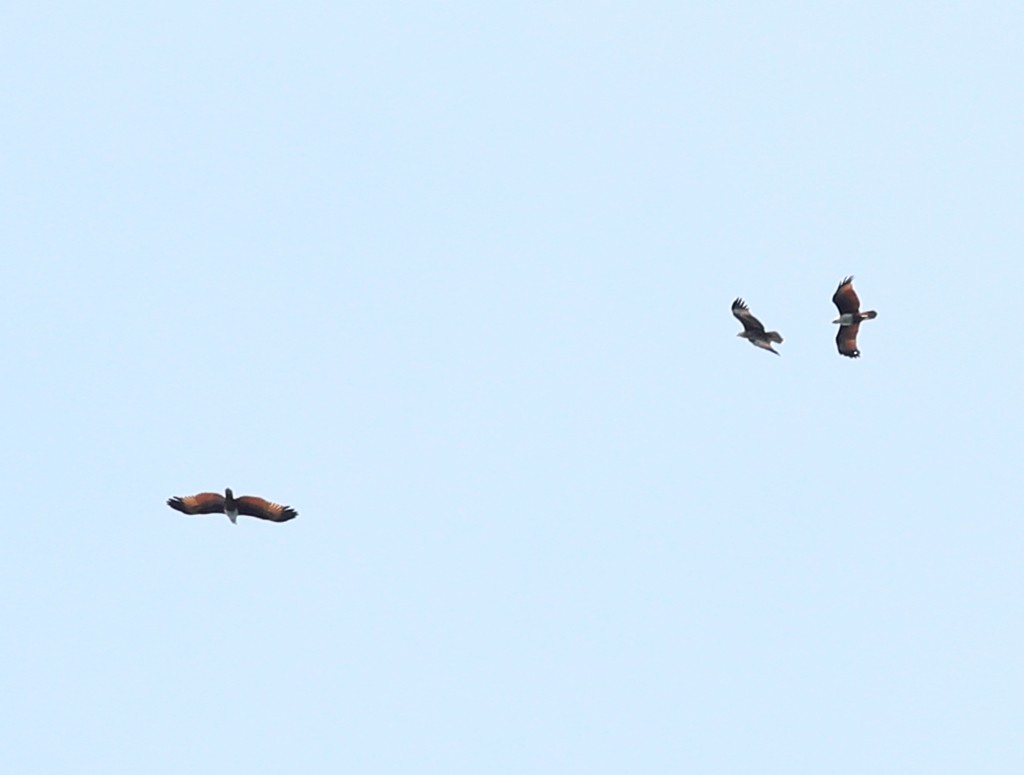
[249, 505]
[850, 316]
[753, 331]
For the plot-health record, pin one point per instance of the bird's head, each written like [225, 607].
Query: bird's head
[228, 494]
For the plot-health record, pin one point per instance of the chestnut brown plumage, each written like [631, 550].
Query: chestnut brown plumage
[248, 505]
[850, 317]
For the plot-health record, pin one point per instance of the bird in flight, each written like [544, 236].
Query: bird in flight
[753, 331]
[248, 505]
[850, 317]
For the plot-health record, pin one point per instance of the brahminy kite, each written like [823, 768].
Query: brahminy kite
[249, 505]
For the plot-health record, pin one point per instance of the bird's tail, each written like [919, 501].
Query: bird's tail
[774, 336]
[870, 315]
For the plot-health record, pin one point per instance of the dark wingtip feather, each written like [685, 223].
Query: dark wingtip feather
[176, 503]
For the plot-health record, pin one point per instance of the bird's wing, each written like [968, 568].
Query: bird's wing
[203, 503]
[765, 345]
[846, 340]
[845, 298]
[741, 312]
[263, 509]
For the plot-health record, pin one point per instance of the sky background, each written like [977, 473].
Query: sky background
[453, 280]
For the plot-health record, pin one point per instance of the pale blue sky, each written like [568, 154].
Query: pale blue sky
[453, 280]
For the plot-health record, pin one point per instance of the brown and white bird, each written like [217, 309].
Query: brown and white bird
[248, 505]
[753, 331]
[850, 317]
